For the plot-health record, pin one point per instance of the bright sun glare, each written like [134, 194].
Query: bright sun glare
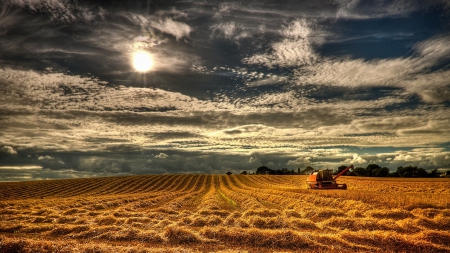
[142, 61]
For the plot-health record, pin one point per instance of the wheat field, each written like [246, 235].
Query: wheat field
[220, 213]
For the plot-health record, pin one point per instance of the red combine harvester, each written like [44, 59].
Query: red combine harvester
[324, 179]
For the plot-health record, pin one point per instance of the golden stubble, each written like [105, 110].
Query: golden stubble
[220, 213]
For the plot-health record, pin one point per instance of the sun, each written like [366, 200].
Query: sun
[142, 61]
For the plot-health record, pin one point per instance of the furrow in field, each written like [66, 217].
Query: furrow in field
[28, 190]
[304, 204]
[192, 183]
[186, 184]
[52, 189]
[196, 190]
[170, 201]
[302, 200]
[139, 184]
[257, 193]
[93, 188]
[168, 181]
[180, 199]
[162, 180]
[176, 182]
[119, 185]
[241, 199]
[273, 181]
[209, 199]
[86, 187]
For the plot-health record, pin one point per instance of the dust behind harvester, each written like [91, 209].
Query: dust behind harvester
[324, 179]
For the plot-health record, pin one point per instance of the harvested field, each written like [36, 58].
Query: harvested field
[220, 213]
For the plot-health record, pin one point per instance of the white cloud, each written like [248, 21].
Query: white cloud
[357, 9]
[433, 51]
[293, 51]
[407, 158]
[355, 73]
[46, 157]
[21, 167]
[72, 92]
[230, 30]
[9, 150]
[301, 161]
[432, 88]
[146, 41]
[357, 159]
[253, 130]
[413, 74]
[177, 29]
[161, 156]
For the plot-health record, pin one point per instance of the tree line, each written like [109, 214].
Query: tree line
[372, 170]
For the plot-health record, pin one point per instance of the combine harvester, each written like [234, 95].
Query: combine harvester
[324, 179]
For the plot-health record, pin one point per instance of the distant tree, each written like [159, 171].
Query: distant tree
[372, 169]
[229, 173]
[264, 170]
[383, 172]
[283, 171]
[244, 172]
[306, 170]
[421, 172]
[411, 171]
[393, 174]
[434, 173]
[358, 171]
[340, 169]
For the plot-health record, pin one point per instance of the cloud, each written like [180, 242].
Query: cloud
[433, 88]
[230, 30]
[408, 158]
[413, 74]
[357, 9]
[49, 162]
[293, 51]
[73, 92]
[177, 29]
[244, 131]
[357, 159]
[301, 161]
[161, 156]
[9, 150]
[64, 11]
[146, 41]
[433, 51]
[46, 157]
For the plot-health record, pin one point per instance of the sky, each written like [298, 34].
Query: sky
[224, 86]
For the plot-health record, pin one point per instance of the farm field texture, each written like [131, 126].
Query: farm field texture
[220, 213]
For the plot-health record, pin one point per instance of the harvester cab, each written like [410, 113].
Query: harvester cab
[324, 179]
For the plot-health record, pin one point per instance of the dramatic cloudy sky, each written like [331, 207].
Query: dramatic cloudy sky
[233, 86]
